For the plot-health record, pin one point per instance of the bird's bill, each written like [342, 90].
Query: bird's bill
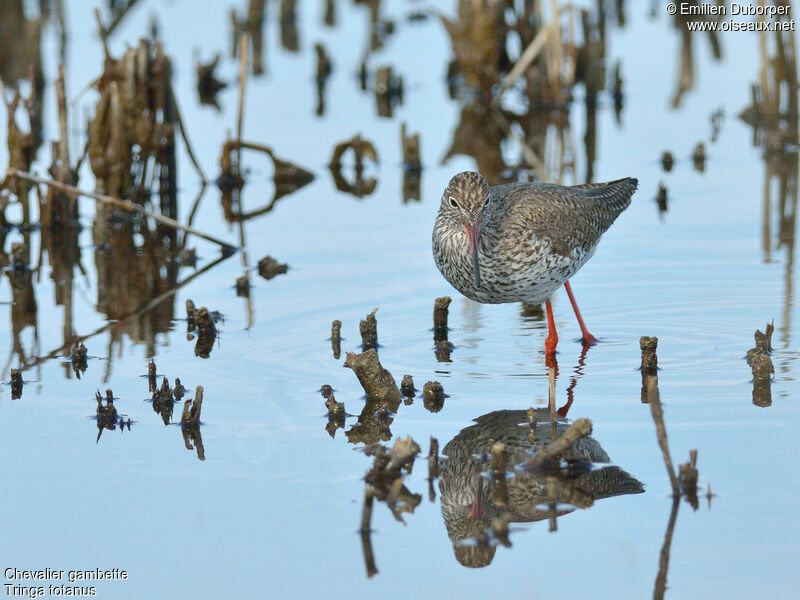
[474, 236]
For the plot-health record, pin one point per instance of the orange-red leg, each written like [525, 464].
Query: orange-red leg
[588, 338]
[552, 336]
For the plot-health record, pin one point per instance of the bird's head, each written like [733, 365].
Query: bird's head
[464, 201]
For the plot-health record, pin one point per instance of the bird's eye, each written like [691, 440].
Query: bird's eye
[453, 202]
[488, 201]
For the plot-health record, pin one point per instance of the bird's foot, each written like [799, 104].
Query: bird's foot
[588, 339]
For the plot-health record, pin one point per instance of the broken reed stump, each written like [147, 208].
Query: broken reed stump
[178, 391]
[190, 310]
[662, 200]
[366, 541]
[531, 414]
[687, 476]
[207, 83]
[361, 149]
[440, 313]
[699, 157]
[336, 338]
[649, 345]
[761, 365]
[385, 478]
[369, 331]
[412, 157]
[336, 411]
[579, 429]
[377, 382]
[433, 467]
[654, 400]
[443, 346]
[79, 358]
[360, 186]
[649, 366]
[191, 410]
[412, 164]
[206, 331]
[152, 385]
[402, 455]
[498, 465]
[242, 286]
[433, 459]
[407, 387]
[389, 90]
[334, 407]
[268, 268]
[667, 161]
[433, 396]
[106, 413]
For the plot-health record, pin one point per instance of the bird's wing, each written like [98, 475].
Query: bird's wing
[571, 218]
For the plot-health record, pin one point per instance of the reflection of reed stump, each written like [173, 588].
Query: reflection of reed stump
[106, 414]
[78, 358]
[362, 149]
[388, 90]
[412, 164]
[443, 346]
[336, 412]
[16, 384]
[368, 327]
[268, 268]
[761, 365]
[407, 387]
[190, 423]
[336, 338]
[433, 396]
[649, 366]
[164, 400]
[203, 322]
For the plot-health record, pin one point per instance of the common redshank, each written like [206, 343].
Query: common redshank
[520, 242]
[468, 496]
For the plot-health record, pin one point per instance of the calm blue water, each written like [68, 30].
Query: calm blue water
[274, 507]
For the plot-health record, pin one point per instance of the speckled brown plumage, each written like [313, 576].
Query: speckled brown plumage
[462, 471]
[532, 236]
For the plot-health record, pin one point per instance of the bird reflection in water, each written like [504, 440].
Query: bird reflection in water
[471, 504]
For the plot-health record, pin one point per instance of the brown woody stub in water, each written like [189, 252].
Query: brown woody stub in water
[106, 413]
[336, 338]
[440, 312]
[433, 396]
[687, 476]
[376, 381]
[407, 386]
[268, 268]
[368, 327]
[191, 410]
[649, 345]
[243, 286]
[760, 362]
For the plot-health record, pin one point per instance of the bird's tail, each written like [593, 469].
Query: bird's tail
[615, 195]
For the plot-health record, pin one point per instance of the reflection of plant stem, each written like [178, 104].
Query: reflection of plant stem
[123, 204]
[148, 306]
[663, 561]
[366, 541]
[661, 431]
